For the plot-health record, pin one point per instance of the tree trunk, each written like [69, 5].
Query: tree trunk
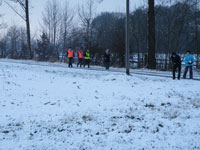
[64, 45]
[138, 56]
[28, 30]
[196, 34]
[151, 36]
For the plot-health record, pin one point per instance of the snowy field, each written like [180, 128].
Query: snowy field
[55, 108]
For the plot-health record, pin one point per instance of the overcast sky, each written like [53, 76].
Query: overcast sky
[37, 6]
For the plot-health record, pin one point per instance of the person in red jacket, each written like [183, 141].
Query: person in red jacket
[70, 55]
[80, 58]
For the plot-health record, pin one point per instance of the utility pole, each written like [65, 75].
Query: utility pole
[127, 38]
[28, 28]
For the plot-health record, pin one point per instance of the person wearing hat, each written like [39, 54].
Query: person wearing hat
[189, 62]
[176, 62]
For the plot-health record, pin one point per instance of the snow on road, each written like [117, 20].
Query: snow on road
[54, 108]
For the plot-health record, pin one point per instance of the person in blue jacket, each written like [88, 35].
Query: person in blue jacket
[189, 62]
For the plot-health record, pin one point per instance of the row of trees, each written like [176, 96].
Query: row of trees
[24, 5]
[172, 26]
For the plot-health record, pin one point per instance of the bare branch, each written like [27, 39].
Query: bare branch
[22, 4]
[15, 10]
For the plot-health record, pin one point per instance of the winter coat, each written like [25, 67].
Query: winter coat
[176, 60]
[189, 60]
[107, 57]
[87, 55]
[80, 55]
[68, 54]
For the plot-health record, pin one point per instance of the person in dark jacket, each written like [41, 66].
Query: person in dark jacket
[176, 62]
[107, 59]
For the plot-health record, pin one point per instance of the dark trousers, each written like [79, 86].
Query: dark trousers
[80, 62]
[70, 62]
[175, 67]
[107, 65]
[186, 70]
[87, 62]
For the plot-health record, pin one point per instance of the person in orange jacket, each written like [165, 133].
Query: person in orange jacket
[70, 55]
[80, 58]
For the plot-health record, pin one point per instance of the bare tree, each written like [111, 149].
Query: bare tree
[86, 14]
[139, 33]
[13, 38]
[171, 27]
[66, 24]
[3, 47]
[2, 24]
[51, 21]
[24, 4]
[1, 16]
[168, 22]
[23, 46]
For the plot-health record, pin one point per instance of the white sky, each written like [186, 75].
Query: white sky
[11, 18]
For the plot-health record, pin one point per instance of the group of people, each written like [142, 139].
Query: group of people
[84, 58]
[189, 62]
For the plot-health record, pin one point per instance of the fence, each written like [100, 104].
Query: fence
[161, 64]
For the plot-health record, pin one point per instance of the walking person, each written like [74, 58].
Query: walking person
[107, 59]
[80, 58]
[189, 62]
[87, 58]
[176, 62]
[70, 55]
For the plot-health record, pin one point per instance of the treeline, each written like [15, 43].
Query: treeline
[176, 27]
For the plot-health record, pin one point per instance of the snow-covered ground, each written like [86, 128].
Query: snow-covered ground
[56, 108]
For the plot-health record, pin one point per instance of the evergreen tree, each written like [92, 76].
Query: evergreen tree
[44, 50]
